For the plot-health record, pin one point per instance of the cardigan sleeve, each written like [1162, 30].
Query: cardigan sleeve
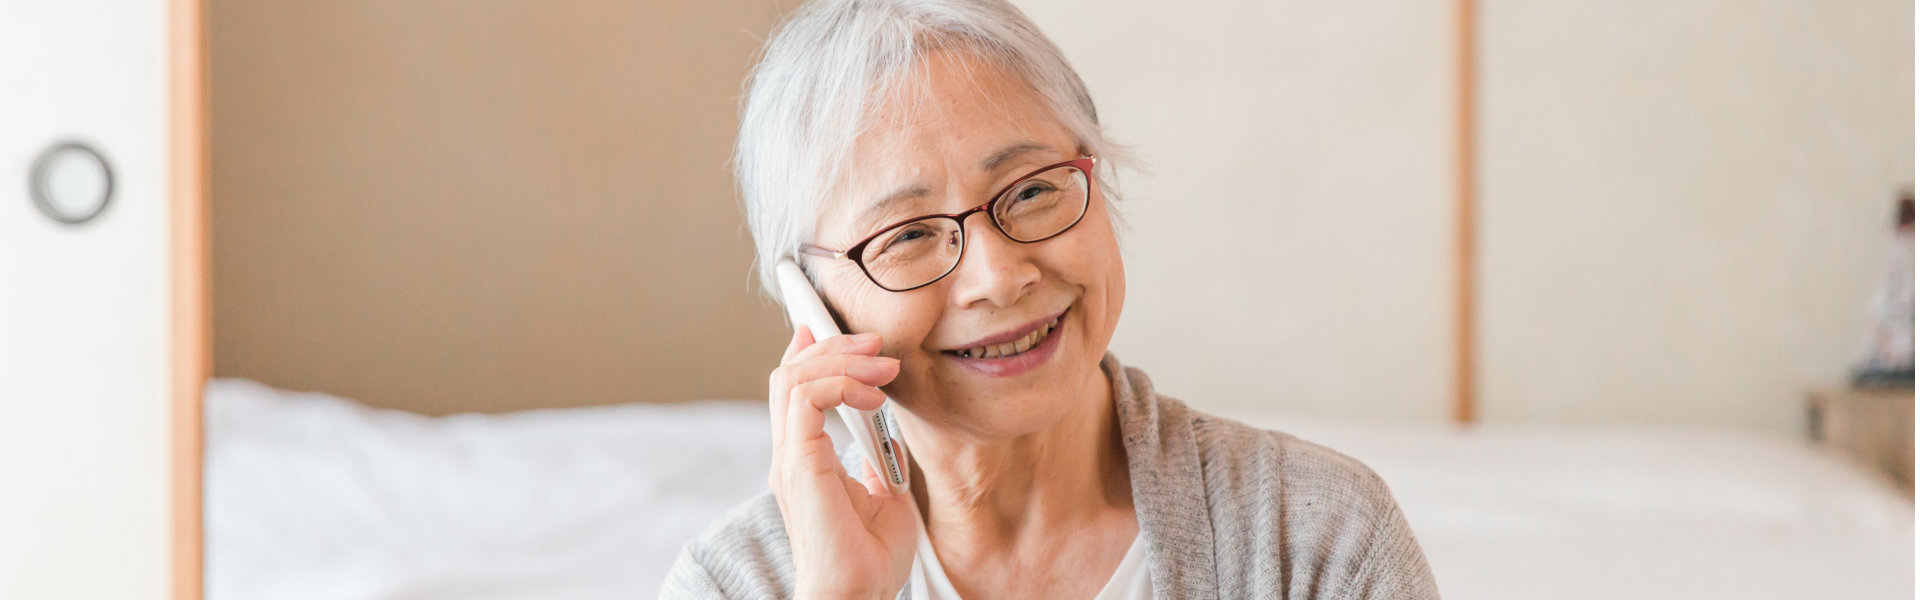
[1392, 566]
[688, 579]
[743, 555]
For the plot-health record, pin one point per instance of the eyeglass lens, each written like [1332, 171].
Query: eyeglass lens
[918, 252]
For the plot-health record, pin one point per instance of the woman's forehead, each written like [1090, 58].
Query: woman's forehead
[949, 95]
[918, 170]
[956, 117]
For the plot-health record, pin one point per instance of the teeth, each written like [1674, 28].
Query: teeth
[1014, 347]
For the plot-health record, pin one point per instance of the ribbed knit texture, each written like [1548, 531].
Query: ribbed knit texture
[1229, 511]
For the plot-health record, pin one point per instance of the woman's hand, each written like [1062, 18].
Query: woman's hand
[850, 539]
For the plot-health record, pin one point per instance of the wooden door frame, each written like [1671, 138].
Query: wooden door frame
[1465, 208]
[190, 311]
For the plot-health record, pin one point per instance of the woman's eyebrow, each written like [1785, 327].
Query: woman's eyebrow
[920, 190]
[912, 190]
[1009, 153]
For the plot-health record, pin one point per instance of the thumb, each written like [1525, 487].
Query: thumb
[896, 525]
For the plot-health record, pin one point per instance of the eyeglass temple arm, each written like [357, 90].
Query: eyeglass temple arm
[818, 251]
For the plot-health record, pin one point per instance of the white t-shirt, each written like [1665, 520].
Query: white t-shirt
[1129, 582]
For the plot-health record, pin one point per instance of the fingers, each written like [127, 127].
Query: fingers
[870, 370]
[861, 495]
[815, 376]
[842, 356]
[806, 409]
[797, 366]
[830, 392]
[776, 389]
[806, 469]
[859, 343]
[802, 337]
[870, 479]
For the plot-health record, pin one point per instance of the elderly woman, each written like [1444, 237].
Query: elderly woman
[937, 168]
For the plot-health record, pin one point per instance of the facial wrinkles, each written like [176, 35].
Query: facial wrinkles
[939, 143]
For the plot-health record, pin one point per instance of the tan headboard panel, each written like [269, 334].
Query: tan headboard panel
[449, 206]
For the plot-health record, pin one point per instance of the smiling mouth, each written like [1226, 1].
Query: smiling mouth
[1014, 348]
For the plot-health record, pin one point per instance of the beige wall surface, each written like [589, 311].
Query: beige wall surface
[1685, 204]
[1290, 248]
[452, 205]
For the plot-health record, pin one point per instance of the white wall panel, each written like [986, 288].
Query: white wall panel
[84, 310]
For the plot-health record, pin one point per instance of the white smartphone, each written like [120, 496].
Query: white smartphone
[869, 427]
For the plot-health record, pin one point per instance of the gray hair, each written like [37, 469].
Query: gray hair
[834, 61]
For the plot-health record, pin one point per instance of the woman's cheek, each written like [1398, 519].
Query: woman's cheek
[858, 310]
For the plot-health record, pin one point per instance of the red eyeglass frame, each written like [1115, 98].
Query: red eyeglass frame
[1085, 164]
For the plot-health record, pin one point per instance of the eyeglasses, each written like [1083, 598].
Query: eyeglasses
[916, 252]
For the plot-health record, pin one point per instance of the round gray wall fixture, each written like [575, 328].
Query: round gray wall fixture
[71, 183]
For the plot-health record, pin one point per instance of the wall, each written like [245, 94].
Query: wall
[454, 206]
[1290, 248]
[1685, 204]
[449, 205]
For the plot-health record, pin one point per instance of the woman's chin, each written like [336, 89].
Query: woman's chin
[1003, 411]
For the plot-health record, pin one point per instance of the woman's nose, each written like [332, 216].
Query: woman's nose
[993, 268]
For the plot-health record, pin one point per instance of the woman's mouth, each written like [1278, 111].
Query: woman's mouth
[1023, 354]
[1020, 346]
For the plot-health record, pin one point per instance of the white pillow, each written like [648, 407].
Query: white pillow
[314, 497]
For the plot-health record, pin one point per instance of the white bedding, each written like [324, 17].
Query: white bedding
[314, 497]
[1616, 512]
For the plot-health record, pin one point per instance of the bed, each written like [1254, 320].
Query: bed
[311, 496]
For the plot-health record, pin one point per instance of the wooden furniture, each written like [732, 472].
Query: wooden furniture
[1871, 426]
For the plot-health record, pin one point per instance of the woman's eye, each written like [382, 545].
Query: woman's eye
[905, 238]
[1032, 191]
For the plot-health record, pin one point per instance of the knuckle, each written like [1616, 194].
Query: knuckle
[847, 386]
[839, 344]
[777, 379]
[839, 362]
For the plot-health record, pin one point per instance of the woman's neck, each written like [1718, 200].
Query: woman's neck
[984, 492]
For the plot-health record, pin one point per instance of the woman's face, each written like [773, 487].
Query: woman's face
[940, 141]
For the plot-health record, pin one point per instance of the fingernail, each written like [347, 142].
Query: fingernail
[862, 338]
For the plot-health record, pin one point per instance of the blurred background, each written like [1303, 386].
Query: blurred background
[1682, 208]
[1615, 295]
